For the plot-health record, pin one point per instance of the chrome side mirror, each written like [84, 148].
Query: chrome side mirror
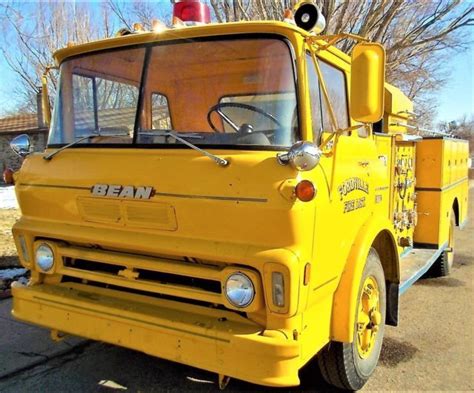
[302, 156]
[21, 145]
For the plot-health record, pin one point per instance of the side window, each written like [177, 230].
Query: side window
[160, 112]
[279, 105]
[336, 85]
[117, 106]
[103, 106]
[315, 97]
[84, 106]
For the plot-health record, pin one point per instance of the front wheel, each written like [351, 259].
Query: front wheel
[349, 365]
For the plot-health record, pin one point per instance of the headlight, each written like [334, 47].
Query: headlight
[239, 290]
[44, 257]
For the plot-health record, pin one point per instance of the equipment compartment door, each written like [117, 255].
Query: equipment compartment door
[404, 196]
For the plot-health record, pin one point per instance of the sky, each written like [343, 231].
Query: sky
[455, 99]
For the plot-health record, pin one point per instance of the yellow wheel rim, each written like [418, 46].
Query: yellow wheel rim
[369, 317]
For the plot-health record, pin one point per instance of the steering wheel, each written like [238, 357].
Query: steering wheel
[218, 109]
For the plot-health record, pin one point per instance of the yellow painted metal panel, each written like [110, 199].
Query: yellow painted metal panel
[216, 340]
[345, 298]
[397, 110]
[383, 191]
[427, 230]
[397, 103]
[368, 63]
[429, 164]
[442, 186]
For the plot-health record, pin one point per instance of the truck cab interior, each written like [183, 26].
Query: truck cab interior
[237, 91]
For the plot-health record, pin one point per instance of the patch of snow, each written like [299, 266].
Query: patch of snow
[112, 385]
[8, 198]
[11, 274]
[23, 281]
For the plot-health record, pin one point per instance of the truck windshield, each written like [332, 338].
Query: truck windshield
[229, 92]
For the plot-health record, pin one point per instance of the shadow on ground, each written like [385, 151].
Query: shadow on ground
[396, 351]
[450, 282]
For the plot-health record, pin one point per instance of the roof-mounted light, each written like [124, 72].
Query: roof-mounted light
[191, 12]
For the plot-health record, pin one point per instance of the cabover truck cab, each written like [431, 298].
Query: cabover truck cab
[241, 198]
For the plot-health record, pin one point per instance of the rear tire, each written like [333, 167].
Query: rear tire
[444, 264]
[349, 365]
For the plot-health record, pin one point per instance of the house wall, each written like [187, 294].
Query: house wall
[8, 159]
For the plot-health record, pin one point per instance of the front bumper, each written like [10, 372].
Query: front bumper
[215, 340]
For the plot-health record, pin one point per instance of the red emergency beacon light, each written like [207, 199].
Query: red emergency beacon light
[191, 11]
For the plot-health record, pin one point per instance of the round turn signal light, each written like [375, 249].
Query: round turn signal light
[8, 176]
[305, 191]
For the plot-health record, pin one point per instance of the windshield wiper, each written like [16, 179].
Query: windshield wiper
[187, 135]
[180, 137]
[49, 156]
[218, 160]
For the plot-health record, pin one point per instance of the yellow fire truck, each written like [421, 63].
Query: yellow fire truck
[239, 197]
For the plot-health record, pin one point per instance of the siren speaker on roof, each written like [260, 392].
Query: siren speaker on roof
[309, 17]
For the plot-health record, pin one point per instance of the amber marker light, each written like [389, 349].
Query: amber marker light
[305, 191]
[8, 176]
[288, 17]
[307, 274]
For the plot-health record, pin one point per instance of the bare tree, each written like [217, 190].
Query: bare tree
[236, 10]
[136, 11]
[461, 128]
[33, 32]
[416, 34]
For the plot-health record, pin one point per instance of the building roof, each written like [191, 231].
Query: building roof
[20, 123]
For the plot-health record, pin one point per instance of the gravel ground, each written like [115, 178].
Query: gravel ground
[432, 349]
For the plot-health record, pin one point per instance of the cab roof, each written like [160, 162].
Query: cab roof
[209, 30]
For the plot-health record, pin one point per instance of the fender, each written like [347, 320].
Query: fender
[345, 297]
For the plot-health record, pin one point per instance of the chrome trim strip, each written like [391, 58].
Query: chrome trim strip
[449, 186]
[162, 194]
[212, 197]
[54, 186]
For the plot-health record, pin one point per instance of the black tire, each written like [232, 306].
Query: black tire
[340, 363]
[444, 264]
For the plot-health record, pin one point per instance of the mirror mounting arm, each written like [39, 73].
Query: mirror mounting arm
[333, 39]
[325, 92]
[46, 107]
[341, 131]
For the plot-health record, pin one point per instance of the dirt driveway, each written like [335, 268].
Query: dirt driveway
[432, 349]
